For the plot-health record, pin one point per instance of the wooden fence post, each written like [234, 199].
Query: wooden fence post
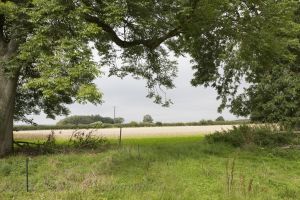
[120, 138]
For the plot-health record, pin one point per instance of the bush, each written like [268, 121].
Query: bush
[82, 140]
[260, 136]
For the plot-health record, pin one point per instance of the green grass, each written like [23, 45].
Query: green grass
[156, 168]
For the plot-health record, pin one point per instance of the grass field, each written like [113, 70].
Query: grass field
[156, 168]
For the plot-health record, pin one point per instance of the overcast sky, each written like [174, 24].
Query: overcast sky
[129, 97]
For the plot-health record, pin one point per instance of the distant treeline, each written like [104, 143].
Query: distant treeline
[88, 119]
[97, 125]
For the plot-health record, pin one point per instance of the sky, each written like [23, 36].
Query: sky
[128, 95]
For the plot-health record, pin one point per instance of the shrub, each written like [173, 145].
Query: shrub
[49, 146]
[81, 140]
[246, 135]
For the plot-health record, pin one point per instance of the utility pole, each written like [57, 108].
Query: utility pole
[114, 113]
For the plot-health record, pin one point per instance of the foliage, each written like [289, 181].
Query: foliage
[133, 124]
[220, 118]
[275, 99]
[50, 145]
[273, 94]
[88, 119]
[147, 119]
[119, 120]
[79, 140]
[82, 140]
[97, 124]
[261, 136]
[158, 123]
[53, 61]
[228, 42]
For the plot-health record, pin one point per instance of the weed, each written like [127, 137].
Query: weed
[79, 141]
[230, 175]
[234, 187]
[83, 140]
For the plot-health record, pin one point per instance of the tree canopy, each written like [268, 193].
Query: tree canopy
[89, 119]
[220, 119]
[229, 42]
[147, 119]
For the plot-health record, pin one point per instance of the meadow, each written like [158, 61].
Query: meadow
[155, 168]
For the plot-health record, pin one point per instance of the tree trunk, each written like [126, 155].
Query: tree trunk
[8, 87]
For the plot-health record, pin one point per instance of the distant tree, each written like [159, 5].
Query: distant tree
[77, 119]
[86, 119]
[107, 120]
[158, 123]
[133, 124]
[220, 119]
[119, 120]
[147, 119]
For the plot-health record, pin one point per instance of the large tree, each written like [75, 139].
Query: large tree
[273, 94]
[46, 50]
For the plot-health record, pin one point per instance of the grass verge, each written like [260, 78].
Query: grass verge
[156, 168]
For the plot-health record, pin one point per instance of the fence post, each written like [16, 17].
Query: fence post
[120, 138]
[139, 151]
[27, 187]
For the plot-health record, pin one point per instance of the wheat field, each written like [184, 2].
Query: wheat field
[172, 131]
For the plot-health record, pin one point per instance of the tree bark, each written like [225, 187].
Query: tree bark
[7, 103]
[8, 88]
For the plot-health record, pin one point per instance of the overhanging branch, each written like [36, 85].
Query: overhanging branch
[149, 43]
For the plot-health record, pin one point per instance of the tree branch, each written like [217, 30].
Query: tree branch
[2, 21]
[149, 43]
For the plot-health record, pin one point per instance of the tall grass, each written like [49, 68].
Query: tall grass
[156, 168]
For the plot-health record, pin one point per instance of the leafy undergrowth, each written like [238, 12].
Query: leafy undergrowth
[79, 141]
[156, 168]
[262, 136]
